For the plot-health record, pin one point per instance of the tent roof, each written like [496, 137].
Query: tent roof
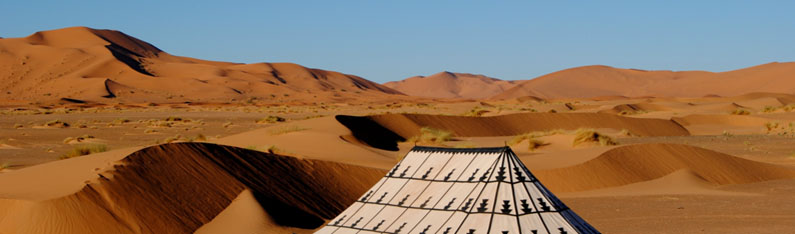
[458, 190]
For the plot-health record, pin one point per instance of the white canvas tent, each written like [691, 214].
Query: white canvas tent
[462, 191]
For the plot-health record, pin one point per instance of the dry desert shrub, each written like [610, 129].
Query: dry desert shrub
[56, 124]
[431, 136]
[590, 135]
[532, 142]
[4, 166]
[120, 121]
[770, 126]
[173, 119]
[287, 129]
[740, 111]
[271, 119]
[476, 111]
[84, 149]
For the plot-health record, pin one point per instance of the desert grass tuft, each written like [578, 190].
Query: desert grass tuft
[287, 129]
[56, 124]
[84, 149]
[476, 111]
[740, 111]
[271, 119]
[585, 135]
[532, 142]
[430, 135]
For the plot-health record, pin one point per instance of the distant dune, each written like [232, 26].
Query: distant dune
[452, 85]
[599, 81]
[109, 66]
[644, 162]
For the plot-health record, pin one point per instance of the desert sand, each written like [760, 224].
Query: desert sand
[452, 85]
[646, 157]
[596, 81]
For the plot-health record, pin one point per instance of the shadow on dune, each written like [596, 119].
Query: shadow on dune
[178, 187]
[370, 132]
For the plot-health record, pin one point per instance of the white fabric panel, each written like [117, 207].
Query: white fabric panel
[326, 230]
[474, 194]
[363, 215]
[432, 194]
[373, 189]
[346, 231]
[435, 218]
[505, 193]
[367, 232]
[516, 166]
[459, 191]
[521, 194]
[479, 222]
[389, 214]
[411, 217]
[391, 187]
[435, 161]
[413, 188]
[536, 194]
[500, 223]
[501, 162]
[481, 164]
[554, 221]
[531, 222]
[347, 214]
[410, 163]
[488, 193]
[457, 164]
[453, 222]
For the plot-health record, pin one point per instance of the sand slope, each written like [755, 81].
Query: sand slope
[408, 125]
[176, 188]
[595, 81]
[110, 66]
[645, 162]
[452, 85]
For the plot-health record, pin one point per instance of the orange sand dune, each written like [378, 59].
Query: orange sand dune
[452, 85]
[644, 162]
[175, 188]
[513, 124]
[596, 81]
[109, 66]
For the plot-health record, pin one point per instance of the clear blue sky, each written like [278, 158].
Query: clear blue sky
[391, 40]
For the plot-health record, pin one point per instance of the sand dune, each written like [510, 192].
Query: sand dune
[596, 81]
[109, 66]
[408, 125]
[645, 162]
[452, 85]
[176, 188]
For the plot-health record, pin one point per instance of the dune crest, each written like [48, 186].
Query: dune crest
[408, 125]
[452, 85]
[72, 63]
[644, 162]
[596, 81]
[177, 188]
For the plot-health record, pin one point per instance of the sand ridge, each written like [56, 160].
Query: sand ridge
[599, 80]
[452, 85]
[107, 66]
[179, 187]
[644, 162]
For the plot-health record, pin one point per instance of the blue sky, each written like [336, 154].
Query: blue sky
[392, 40]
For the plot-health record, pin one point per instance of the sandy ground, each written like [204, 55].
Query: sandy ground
[679, 165]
